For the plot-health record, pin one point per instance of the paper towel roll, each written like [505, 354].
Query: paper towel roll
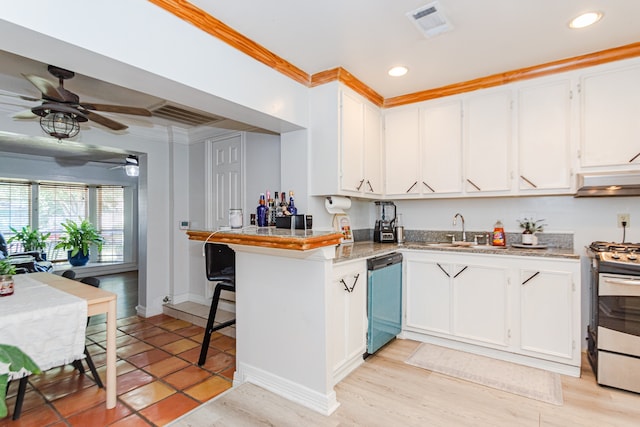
[337, 204]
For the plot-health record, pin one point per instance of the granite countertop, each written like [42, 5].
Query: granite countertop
[367, 249]
[270, 237]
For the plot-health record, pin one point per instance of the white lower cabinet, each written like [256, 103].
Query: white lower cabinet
[428, 295]
[519, 308]
[480, 303]
[456, 296]
[347, 317]
[547, 311]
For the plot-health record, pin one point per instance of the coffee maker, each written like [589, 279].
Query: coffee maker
[384, 231]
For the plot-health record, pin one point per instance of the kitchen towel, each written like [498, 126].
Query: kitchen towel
[337, 204]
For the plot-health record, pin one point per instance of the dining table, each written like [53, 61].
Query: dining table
[42, 290]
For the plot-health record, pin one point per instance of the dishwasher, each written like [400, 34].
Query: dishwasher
[384, 300]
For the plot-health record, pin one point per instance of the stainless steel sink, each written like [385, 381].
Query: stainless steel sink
[462, 245]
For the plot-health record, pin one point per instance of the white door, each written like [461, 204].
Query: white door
[224, 171]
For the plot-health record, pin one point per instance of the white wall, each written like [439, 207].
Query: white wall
[141, 46]
[262, 169]
[170, 59]
[588, 218]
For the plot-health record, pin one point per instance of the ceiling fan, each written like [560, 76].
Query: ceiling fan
[57, 99]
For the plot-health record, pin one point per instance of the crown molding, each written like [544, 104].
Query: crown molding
[202, 20]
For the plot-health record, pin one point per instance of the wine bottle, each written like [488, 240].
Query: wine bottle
[277, 206]
[292, 208]
[283, 204]
[261, 212]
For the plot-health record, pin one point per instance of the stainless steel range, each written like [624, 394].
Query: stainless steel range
[614, 326]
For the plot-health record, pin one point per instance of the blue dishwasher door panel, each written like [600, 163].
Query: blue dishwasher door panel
[384, 306]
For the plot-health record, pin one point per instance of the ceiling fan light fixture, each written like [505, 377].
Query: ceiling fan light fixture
[398, 71]
[585, 19]
[60, 125]
[131, 167]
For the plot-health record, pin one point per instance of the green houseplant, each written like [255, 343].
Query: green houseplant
[31, 238]
[77, 240]
[7, 270]
[531, 227]
[12, 359]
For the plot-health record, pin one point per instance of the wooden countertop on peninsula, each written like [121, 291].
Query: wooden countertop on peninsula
[270, 237]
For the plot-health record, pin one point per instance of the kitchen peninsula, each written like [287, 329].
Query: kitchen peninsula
[301, 305]
[282, 311]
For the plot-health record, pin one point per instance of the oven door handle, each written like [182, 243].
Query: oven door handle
[631, 282]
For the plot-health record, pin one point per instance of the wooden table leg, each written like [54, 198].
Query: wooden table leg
[111, 354]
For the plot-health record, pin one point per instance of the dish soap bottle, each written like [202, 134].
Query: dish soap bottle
[499, 238]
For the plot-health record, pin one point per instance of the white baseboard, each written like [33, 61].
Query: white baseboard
[324, 404]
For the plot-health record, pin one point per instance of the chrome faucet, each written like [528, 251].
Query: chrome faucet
[455, 221]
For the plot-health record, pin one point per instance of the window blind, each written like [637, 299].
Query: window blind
[110, 214]
[15, 209]
[56, 204]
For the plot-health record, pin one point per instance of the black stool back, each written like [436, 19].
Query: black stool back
[220, 264]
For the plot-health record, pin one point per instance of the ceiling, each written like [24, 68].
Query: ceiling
[367, 38]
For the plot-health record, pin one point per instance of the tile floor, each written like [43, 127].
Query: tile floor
[158, 378]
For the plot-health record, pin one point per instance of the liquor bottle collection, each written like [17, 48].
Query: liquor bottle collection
[270, 208]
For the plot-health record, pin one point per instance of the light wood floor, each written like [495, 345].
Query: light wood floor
[385, 391]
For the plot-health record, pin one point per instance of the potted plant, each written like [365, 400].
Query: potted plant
[78, 239]
[31, 238]
[12, 360]
[531, 227]
[7, 270]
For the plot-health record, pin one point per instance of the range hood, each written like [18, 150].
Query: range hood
[608, 184]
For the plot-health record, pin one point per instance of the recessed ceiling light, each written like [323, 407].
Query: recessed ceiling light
[585, 20]
[398, 71]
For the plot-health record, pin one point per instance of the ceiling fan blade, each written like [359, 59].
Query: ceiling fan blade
[23, 97]
[104, 121]
[136, 111]
[24, 114]
[47, 88]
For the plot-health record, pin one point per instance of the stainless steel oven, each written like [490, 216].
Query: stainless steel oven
[614, 329]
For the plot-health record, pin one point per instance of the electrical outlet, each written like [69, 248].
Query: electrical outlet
[624, 218]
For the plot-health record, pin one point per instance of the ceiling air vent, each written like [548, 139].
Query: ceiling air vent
[184, 116]
[430, 20]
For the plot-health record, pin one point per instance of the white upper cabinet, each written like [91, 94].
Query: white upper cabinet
[544, 136]
[345, 143]
[402, 151]
[487, 141]
[611, 117]
[442, 148]
[352, 159]
[372, 150]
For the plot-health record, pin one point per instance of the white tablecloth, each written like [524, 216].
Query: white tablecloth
[47, 324]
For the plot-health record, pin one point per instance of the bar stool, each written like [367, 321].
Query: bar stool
[220, 263]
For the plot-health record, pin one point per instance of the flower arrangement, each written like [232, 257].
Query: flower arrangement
[532, 226]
